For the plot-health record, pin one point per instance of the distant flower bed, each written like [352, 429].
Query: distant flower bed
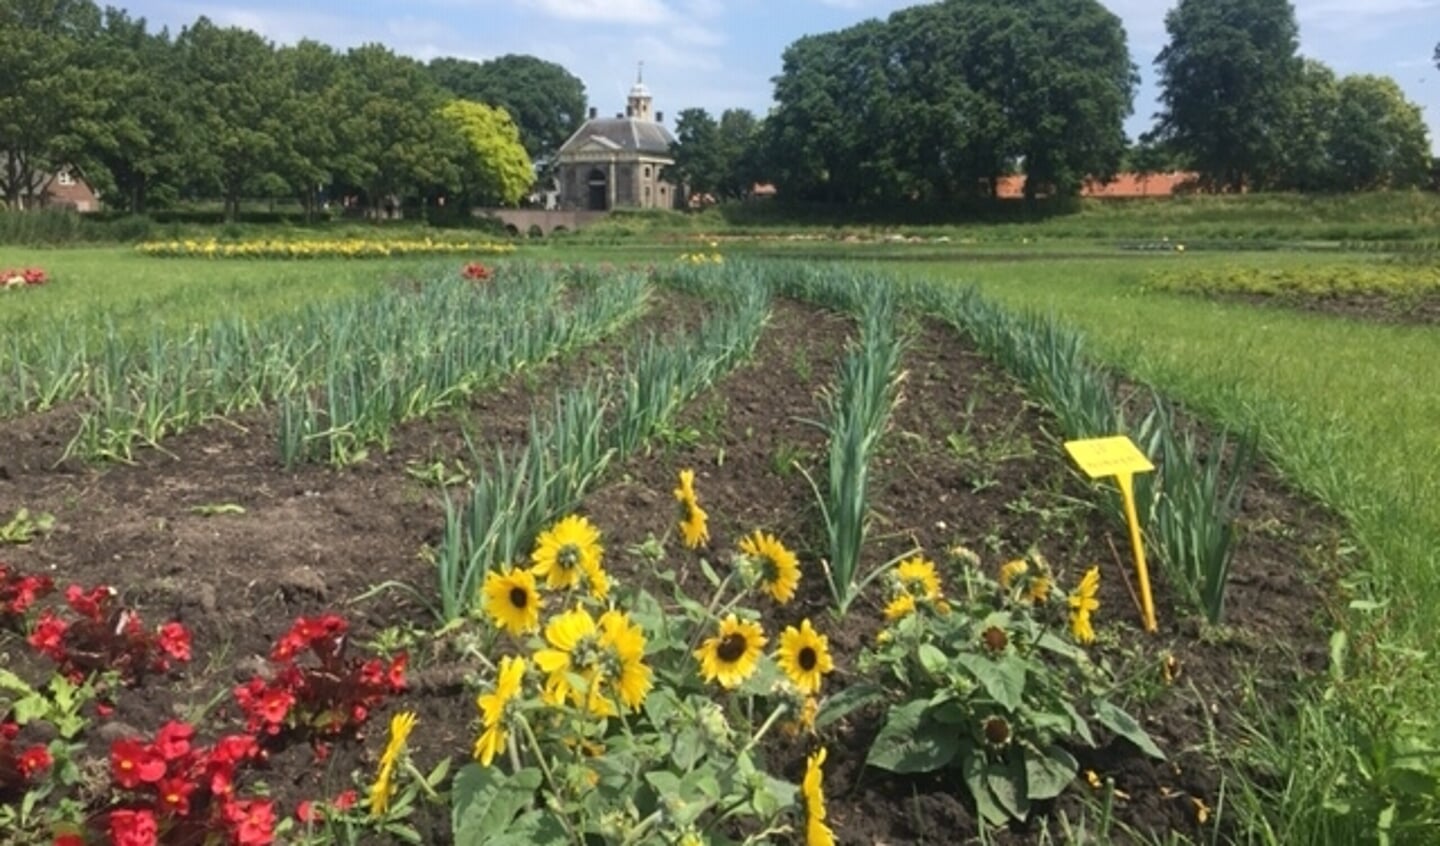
[349, 248]
[28, 277]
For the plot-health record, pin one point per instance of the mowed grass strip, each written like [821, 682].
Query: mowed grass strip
[138, 293]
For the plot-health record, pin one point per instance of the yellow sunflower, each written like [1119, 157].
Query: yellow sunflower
[1012, 571]
[917, 577]
[1037, 581]
[568, 552]
[512, 601]
[779, 569]
[574, 651]
[694, 529]
[901, 606]
[492, 708]
[731, 656]
[1082, 603]
[817, 833]
[624, 643]
[805, 709]
[805, 656]
[383, 788]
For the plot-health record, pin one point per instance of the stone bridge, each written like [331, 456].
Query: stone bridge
[544, 221]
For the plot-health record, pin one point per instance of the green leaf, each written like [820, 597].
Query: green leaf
[1048, 772]
[687, 749]
[1005, 780]
[486, 800]
[850, 699]
[973, 771]
[1003, 680]
[1078, 724]
[932, 659]
[1117, 720]
[910, 742]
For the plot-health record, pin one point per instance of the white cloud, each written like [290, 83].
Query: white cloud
[607, 11]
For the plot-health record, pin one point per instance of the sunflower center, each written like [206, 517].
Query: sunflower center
[519, 597]
[807, 659]
[568, 556]
[732, 648]
[769, 571]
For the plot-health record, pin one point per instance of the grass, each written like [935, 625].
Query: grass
[95, 285]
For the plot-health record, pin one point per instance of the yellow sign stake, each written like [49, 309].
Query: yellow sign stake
[1119, 457]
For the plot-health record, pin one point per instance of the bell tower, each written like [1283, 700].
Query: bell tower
[639, 105]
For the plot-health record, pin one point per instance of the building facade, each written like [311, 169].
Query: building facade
[618, 163]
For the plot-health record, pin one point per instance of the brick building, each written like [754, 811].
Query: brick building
[617, 163]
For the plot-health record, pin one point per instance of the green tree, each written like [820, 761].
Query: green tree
[699, 161]
[1307, 122]
[234, 97]
[546, 101]
[313, 151]
[401, 146]
[144, 157]
[53, 94]
[1379, 139]
[496, 169]
[738, 135]
[1225, 77]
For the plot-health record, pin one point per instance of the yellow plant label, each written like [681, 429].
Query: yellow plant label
[1119, 457]
[1100, 457]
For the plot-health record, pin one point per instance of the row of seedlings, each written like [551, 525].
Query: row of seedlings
[140, 392]
[440, 350]
[1188, 507]
[568, 449]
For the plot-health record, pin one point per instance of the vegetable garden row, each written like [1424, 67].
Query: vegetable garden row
[803, 566]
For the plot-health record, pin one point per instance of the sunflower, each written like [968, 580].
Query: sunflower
[574, 651]
[901, 606]
[624, 643]
[693, 529]
[512, 601]
[1037, 582]
[805, 656]
[917, 577]
[804, 709]
[731, 656]
[1082, 603]
[380, 792]
[1012, 571]
[569, 551]
[493, 706]
[779, 569]
[817, 833]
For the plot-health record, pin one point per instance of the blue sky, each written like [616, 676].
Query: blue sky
[718, 54]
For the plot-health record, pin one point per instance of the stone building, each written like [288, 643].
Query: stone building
[616, 163]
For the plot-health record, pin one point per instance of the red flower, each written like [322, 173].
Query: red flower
[175, 795]
[175, 640]
[48, 638]
[89, 604]
[476, 271]
[69, 839]
[345, 801]
[133, 828]
[397, 672]
[305, 812]
[173, 740]
[9, 730]
[251, 821]
[234, 748]
[133, 763]
[33, 760]
[274, 705]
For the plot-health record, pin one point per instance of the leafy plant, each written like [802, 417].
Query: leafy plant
[989, 685]
[23, 528]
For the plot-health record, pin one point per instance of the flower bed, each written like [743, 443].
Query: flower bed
[318, 249]
[29, 277]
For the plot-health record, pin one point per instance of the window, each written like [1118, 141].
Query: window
[647, 171]
[63, 178]
[647, 193]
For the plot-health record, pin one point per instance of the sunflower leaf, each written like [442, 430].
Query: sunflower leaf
[911, 742]
[1116, 719]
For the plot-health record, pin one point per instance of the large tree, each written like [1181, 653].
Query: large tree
[54, 95]
[402, 147]
[313, 149]
[546, 101]
[1225, 77]
[494, 167]
[1379, 139]
[234, 96]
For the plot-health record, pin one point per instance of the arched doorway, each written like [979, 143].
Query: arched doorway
[599, 190]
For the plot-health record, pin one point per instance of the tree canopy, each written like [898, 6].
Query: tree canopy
[497, 171]
[1226, 76]
[546, 101]
[940, 100]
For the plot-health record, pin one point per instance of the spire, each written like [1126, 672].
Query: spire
[640, 100]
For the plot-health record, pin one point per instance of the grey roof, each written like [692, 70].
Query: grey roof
[628, 134]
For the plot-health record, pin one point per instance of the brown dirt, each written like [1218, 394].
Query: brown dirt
[1378, 308]
[321, 539]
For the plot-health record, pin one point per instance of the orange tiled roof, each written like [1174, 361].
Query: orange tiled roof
[1124, 185]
